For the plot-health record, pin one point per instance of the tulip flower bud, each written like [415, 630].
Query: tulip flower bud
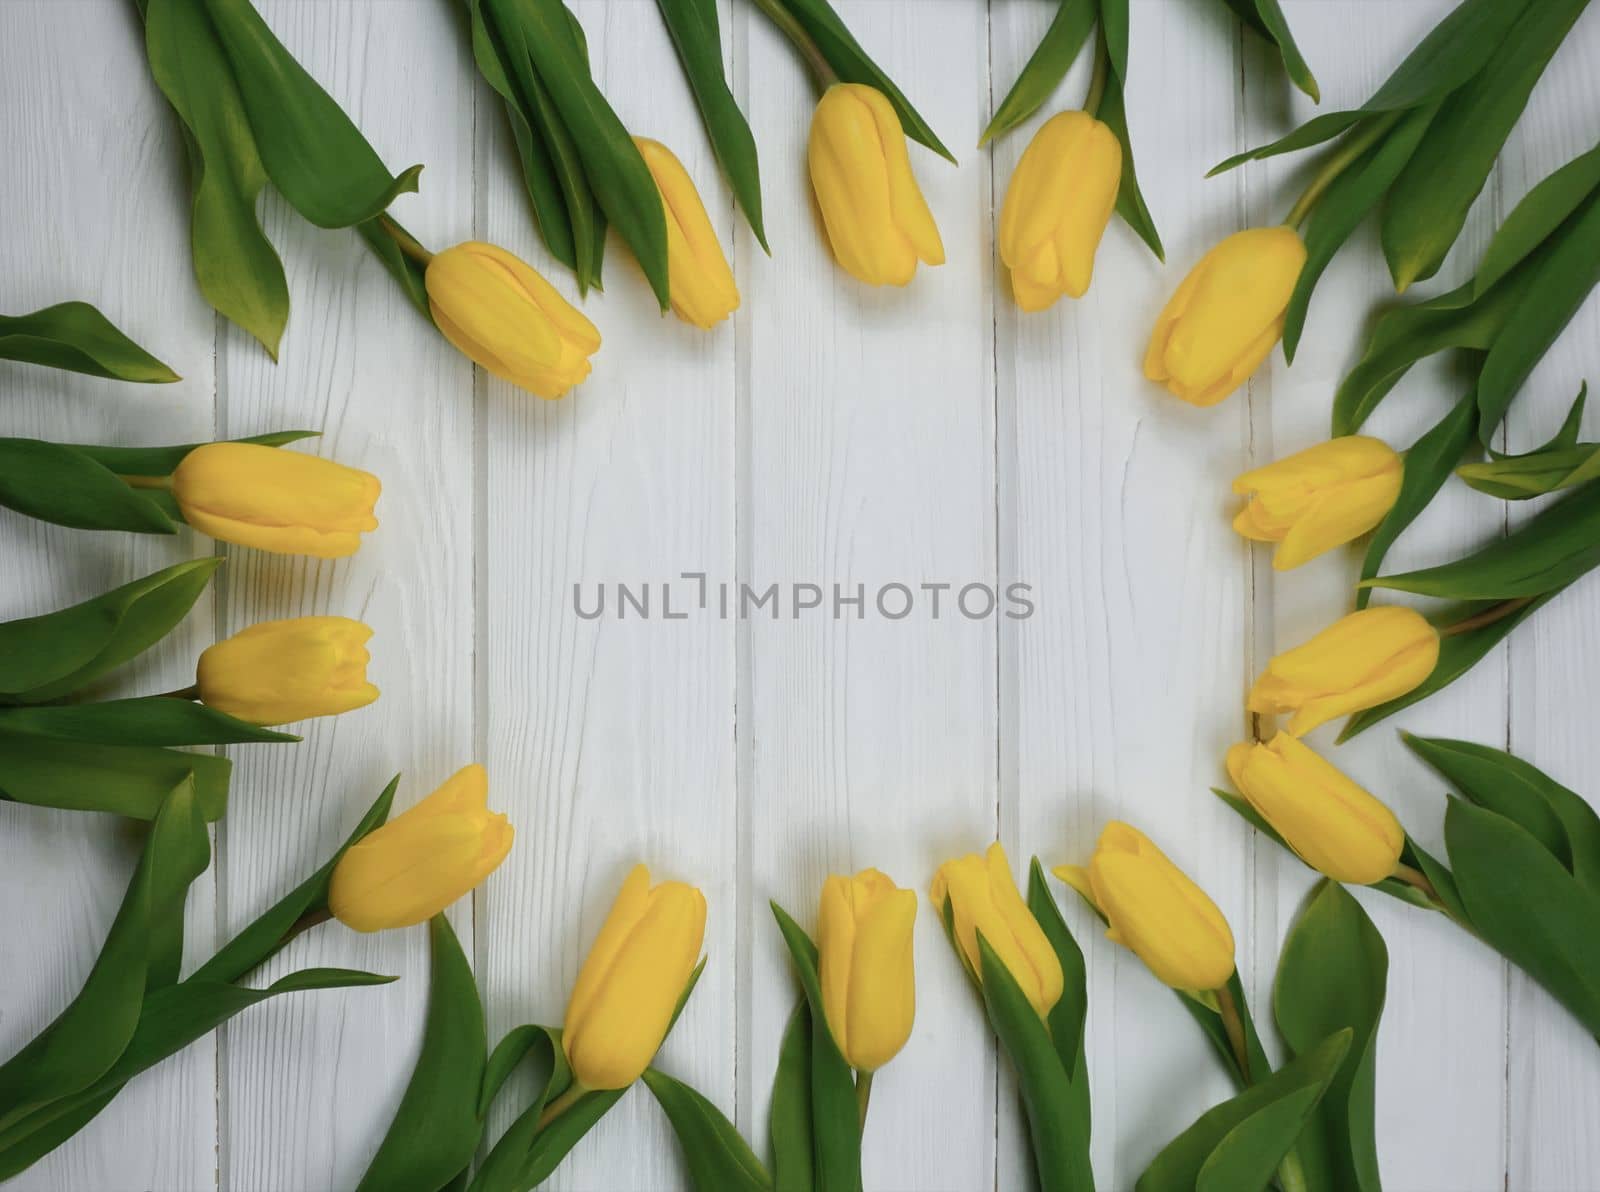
[1226, 315]
[864, 963]
[1360, 661]
[496, 310]
[1331, 823]
[878, 223]
[1319, 498]
[701, 284]
[1153, 909]
[279, 671]
[275, 500]
[424, 859]
[629, 986]
[1060, 200]
[983, 898]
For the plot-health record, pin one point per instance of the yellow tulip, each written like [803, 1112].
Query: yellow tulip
[1060, 200]
[869, 996]
[1153, 909]
[1360, 661]
[1319, 498]
[701, 284]
[630, 983]
[1331, 823]
[280, 671]
[275, 500]
[984, 900]
[496, 310]
[878, 223]
[1226, 315]
[424, 859]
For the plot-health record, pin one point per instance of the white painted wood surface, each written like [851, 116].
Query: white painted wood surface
[827, 434]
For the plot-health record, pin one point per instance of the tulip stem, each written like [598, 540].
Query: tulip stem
[561, 1104]
[791, 28]
[147, 481]
[1102, 68]
[407, 243]
[1353, 146]
[1233, 1027]
[863, 1096]
[1487, 617]
[1417, 880]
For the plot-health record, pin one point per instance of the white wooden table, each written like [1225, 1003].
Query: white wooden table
[827, 434]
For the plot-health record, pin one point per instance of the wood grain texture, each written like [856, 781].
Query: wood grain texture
[828, 433]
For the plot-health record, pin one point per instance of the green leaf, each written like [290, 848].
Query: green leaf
[262, 939]
[163, 461]
[236, 267]
[1068, 1015]
[77, 337]
[1055, 1119]
[130, 780]
[789, 1116]
[1427, 466]
[314, 154]
[1453, 52]
[1236, 1146]
[1537, 474]
[50, 656]
[1332, 976]
[1267, 19]
[1560, 819]
[852, 64]
[1206, 1014]
[1526, 906]
[1458, 653]
[1345, 204]
[1048, 65]
[1130, 201]
[615, 171]
[835, 1122]
[437, 1126]
[693, 27]
[61, 484]
[87, 1038]
[1429, 202]
[152, 720]
[1547, 552]
[410, 273]
[1241, 807]
[719, 1160]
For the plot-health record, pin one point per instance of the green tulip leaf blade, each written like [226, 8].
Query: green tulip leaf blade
[1458, 653]
[718, 1158]
[1332, 975]
[1267, 19]
[55, 654]
[834, 1117]
[57, 483]
[853, 65]
[1056, 1125]
[264, 937]
[1536, 474]
[1427, 466]
[238, 270]
[127, 780]
[1526, 905]
[1068, 1016]
[87, 1038]
[383, 236]
[76, 337]
[1551, 202]
[312, 151]
[152, 720]
[1241, 807]
[693, 28]
[163, 461]
[1131, 206]
[517, 1043]
[1237, 1145]
[1045, 68]
[1560, 819]
[789, 1125]
[1548, 552]
[1203, 1008]
[1428, 204]
[437, 1125]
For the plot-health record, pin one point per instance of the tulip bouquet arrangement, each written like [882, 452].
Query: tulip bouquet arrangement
[1309, 1124]
[75, 336]
[136, 1008]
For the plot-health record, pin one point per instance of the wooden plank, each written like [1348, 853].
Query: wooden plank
[311, 1081]
[868, 440]
[93, 207]
[618, 731]
[1554, 1094]
[1441, 1058]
